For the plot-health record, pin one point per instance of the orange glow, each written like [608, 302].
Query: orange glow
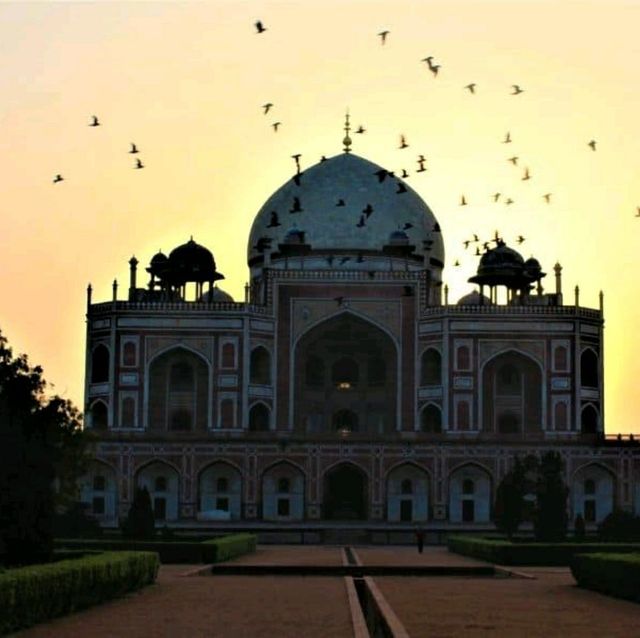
[186, 83]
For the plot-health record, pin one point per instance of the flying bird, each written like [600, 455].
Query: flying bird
[422, 169]
[477, 251]
[513, 160]
[275, 126]
[58, 178]
[297, 208]
[507, 138]
[405, 174]
[381, 175]
[94, 121]
[340, 202]
[434, 69]
[471, 87]
[509, 201]
[266, 107]
[496, 196]
[367, 210]
[485, 245]
[401, 188]
[361, 129]
[260, 28]
[403, 142]
[361, 222]
[428, 60]
[463, 201]
[383, 36]
[457, 262]
[134, 148]
[526, 174]
[466, 243]
[274, 220]
[296, 159]
[476, 239]
[520, 239]
[139, 164]
[592, 144]
[547, 197]
[516, 89]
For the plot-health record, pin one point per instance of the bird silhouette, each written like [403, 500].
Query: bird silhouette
[520, 239]
[296, 159]
[496, 197]
[547, 197]
[401, 188]
[323, 158]
[485, 245]
[94, 121]
[476, 239]
[134, 148]
[58, 178]
[275, 126]
[516, 89]
[383, 36]
[274, 220]
[513, 160]
[381, 175]
[263, 244]
[421, 159]
[344, 260]
[403, 142]
[139, 164]
[509, 201]
[471, 87]
[361, 222]
[422, 169]
[526, 174]
[361, 129]
[466, 243]
[457, 262]
[405, 174]
[434, 69]
[463, 201]
[477, 251]
[592, 144]
[407, 226]
[428, 60]
[260, 28]
[297, 208]
[367, 210]
[507, 138]
[340, 202]
[266, 107]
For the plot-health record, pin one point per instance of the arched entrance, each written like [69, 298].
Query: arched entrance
[345, 493]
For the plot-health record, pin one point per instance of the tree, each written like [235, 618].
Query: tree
[42, 447]
[550, 518]
[510, 504]
[140, 523]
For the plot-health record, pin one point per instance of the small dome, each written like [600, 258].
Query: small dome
[501, 266]
[398, 238]
[191, 262]
[158, 258]
[474, 298]
[219, 296]
[501, 256]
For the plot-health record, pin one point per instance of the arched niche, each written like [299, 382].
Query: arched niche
[259, 418]
[162, 481]
[593, 493]
[260, 366]
[99, 490]
[178, 391]
[589, 368]
[431, 419]
[100, 364]
[589, 420]
[99, 414]
[283, 493]
[407, 494]
[470, 495]
[337, 366]
[431, 367]
[220, 492]
[345, 493]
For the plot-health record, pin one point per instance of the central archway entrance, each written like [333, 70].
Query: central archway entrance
[345, 493]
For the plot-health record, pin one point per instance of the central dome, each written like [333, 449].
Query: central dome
[347, 203]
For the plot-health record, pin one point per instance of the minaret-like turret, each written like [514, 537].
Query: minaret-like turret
[133, 266]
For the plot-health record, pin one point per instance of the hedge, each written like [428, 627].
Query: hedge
[29, 595]
[613, 574]
[210, 551]
[504, 552]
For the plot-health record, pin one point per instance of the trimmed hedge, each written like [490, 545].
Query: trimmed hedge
[29, 595]
[211, 551]
[613, 574]
[504, 552]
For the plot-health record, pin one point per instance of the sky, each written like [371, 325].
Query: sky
[185, 82]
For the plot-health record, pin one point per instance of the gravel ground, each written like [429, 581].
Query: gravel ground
[292, 555]
[404, 555]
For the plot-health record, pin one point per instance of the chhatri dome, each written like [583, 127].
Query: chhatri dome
[347, 204]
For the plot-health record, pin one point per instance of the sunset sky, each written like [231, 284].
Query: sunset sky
[186, 81]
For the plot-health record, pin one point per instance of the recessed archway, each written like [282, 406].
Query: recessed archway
[345, 493]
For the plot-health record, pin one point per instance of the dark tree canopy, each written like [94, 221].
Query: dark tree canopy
[551, 519]
[42, 454]
[140, 522]
[510, 502]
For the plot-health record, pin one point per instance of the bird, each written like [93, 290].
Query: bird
[463, 201]
[263, 243]
[361, 222]
[296, 159]
[513, 160]
[457, 262]
[405, 174]
[401, 188]
[422, 169]
[428, 60]
[547, 197]
[476, 239]
[526, 174]
[94, 121]
[516, 89]
[381, 175]
[496, 197]
[134, 148]
[466, 243]
[297, 208]
[509, 201]
[58, 178]
[344, 260]
[260, 28]
[323, 158]
[139, 164]
[403, 142]
[361, 129]
[339, 300]
[485, 245]
[421, 159]
[592, 144]
[407, 226]
[273, 222]
[471, 87]
[267, 107]
[507, 138]
[275, 126]
[434, 69]
[383, 36]
[367, 210]
[520, 239]
[477, 251]
[340, 202]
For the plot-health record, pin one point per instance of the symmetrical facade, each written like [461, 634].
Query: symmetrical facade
[345, 386]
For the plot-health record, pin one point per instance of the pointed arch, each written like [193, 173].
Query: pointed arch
[593, 488]
[164, 493]
[431, 366]
[470, 493]
[100, 363]
[589, 419]
[431, 418]
[260, 366]
[99, 414]
[589, 368]
[283, 485]
[220, 491]
[259, 417]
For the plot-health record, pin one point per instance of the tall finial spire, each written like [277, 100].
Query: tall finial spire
[347, 140]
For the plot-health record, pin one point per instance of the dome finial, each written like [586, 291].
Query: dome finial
[347, 140]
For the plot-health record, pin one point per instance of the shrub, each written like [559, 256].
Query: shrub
[140, 523]
[221, 549]
[75, 522]
[614, 574]
[579, 528]
[509, 505]
[619, 526]
[550, 519]
[33, 594]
